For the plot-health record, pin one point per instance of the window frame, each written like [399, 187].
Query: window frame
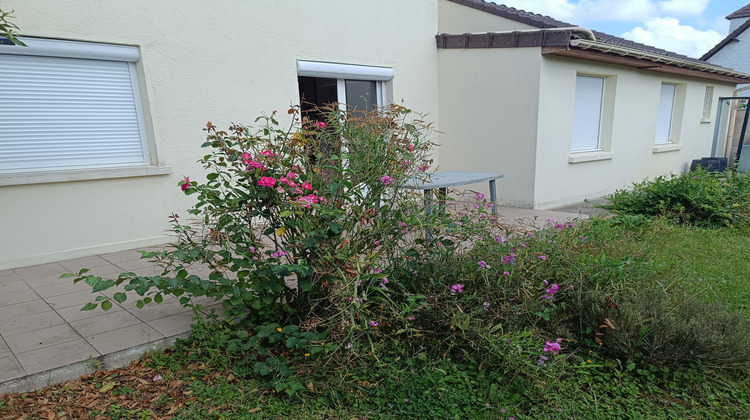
[79, 50]
[343, 72]
[577, 113]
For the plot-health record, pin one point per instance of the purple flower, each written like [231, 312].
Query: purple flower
[457, 288]
[508, 259]
[506, 273]
[486, 306]
[553, 346]
[386, 180]
[348, 345]
[483, 265]
[478, 196]
[542, 257]
[551, 291]
[278, 254]
[373, 323]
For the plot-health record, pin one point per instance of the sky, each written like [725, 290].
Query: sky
[689, 27]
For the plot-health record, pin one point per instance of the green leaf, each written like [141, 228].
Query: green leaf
[89, 306]
[107, 305]
[120, 297]
[630, 367]
[103, 285]
[285, 213]
[305, 285]
[139, 304]
[261, 368]
[212, 176]
[66, 275]
[158, 298]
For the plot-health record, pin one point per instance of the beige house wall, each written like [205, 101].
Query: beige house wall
[224, 62]
[488, 107]
[630, 152]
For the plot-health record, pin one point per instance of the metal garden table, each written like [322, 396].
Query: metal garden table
[442, 180]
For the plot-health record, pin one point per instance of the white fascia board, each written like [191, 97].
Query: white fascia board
[73, 49]
[343, 71]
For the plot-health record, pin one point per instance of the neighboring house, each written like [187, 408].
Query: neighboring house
[734, 51]
[565, 113]
[101, 116]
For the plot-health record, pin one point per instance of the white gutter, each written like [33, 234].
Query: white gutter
[657, 58]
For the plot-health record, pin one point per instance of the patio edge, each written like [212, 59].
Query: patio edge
[74, 371]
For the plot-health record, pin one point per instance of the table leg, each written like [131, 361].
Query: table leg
[493, 196]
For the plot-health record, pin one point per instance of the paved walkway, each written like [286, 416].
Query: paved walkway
[46, 339]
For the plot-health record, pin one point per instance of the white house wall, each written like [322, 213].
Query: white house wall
[223, 62]
[488, 104]
[633, 127]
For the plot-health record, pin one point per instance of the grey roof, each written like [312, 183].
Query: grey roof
[541, 21]
[731, 37]
[742, 13]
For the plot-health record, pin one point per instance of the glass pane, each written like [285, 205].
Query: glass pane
[664, 119]
[361, 95]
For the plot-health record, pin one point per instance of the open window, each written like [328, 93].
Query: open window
[355, 87]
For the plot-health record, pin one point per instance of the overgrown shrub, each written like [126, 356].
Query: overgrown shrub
[701, 198]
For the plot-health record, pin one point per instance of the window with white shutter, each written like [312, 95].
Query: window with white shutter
[664, 114]
[587, 114]
[69, 105]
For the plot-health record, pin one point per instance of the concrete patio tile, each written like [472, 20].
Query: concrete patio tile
[29, 323]
[48, 280]
[173, 325]
[79, 298]
[137, 264]
[151, 270]
[9, 298]
[134, 335]
[10, 369]
[62, 289]
[18, 310]
[55, 356]
[14, 285]
[122, 256]
[9, 275]
[91, 263]
[154, 311]
[4, 349]
[45, 337]
[105, 321]
[74, 313]
[43, 270]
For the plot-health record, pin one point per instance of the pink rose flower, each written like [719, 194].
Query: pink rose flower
[246, 158]
[321, 124]
[267, 181]
[267, 153]
[185, 184]
[307, 186]
[386, 180]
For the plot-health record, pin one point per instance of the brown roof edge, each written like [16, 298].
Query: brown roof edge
[741, 13]
[731, 37]
[515, 39]
[602, 52]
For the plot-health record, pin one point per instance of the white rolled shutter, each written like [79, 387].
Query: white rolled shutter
[67, 113]
[587, 114]
[664, 115]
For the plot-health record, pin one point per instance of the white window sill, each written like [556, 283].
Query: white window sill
[667, 147]
[589, 156]
[25, 178]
